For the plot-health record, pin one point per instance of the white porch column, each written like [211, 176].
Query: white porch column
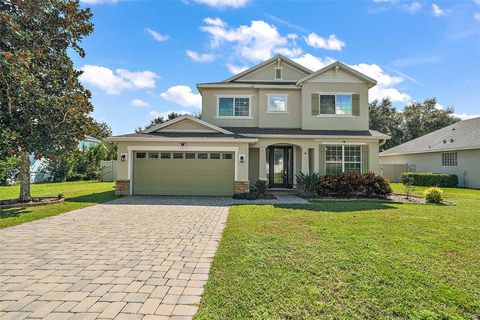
[305, 167]
[316, 159]
[262, 164]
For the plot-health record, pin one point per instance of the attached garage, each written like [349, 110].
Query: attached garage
[183, 173]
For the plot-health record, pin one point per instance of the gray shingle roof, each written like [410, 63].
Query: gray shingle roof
[298, 131]
[461, 135]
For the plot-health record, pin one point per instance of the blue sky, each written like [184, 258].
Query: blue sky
[145, 57]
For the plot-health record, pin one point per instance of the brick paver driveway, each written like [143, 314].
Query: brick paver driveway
[135, 258]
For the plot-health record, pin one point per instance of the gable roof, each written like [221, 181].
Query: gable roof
[267, 62]
[462, 135]
[185, 117]
[370, 81]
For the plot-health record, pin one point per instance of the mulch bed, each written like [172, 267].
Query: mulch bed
[37, 201]
[394, 197]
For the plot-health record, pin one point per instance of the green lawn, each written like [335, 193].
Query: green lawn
[349, 260]
[77, 195]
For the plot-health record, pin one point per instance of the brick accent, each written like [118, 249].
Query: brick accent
[122, 187]
[242, 186]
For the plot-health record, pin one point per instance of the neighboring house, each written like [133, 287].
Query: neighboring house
[454, 149]
[39, 167]
[269, 123]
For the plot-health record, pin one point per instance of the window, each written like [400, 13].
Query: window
[278, 73]
[153, 155]
[449, 159]
[165, 155]
[203, 156]
[214, 155]
[340, 104]
[234, 107]
[189, 155]
[277, 103]
[177, 155]
[343, 158]
[141, 155]
[227, 156]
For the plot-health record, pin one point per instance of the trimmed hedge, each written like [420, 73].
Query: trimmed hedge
[354, 185]
[427, 179]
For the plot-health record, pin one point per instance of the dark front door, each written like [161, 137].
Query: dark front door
[280, 167]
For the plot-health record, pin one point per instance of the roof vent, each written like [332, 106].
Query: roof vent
[451, 140]
[444, 140]
[453, 129]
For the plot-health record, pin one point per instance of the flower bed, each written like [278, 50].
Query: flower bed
[37, 201]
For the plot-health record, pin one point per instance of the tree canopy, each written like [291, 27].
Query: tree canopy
[416, 119]
[44, 109]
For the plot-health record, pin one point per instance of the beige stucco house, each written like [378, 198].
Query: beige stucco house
[269, 122]
[454, 150]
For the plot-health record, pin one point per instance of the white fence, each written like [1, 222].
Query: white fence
[109, 170]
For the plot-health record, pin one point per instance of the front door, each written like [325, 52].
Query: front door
[280, 167]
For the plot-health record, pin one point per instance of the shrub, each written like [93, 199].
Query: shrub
[307, 184]
[260, 187]
[433, 195]
[428, 179]
[354, 185]
[408, 186]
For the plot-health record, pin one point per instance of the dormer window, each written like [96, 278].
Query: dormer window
[278, 73]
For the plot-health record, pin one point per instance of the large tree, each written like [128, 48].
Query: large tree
[386, 119]
[424, 117]
[44, 109]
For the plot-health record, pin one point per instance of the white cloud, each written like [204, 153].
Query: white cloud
[332, 43]
[157, 36]
[466, 116]
[385, 83]
[200, 57]
[256, 42]
[139, 103]
[97, 1]
[413, 7]
[437, 11]
[235, 69]
[477, 2]
[115, 82]
[476, 15]
[220, 4]
[139, 79]
[164, 114]
[182, 95]
[313, 63]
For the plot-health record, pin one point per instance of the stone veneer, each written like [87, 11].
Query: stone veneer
[122, 187]
[242, 186]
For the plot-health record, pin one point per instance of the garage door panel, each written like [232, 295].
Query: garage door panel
[183, 176]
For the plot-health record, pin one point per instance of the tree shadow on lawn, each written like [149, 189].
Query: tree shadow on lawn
[98, 197]
[340, 206]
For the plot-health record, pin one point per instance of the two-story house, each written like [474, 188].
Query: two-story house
[269, 122]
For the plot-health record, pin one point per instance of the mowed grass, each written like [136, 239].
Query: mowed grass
[77, 195]
[349, 260]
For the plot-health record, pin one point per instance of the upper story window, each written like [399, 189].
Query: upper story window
[335, 104]
[234, 106]
[278, 73]
[277, 103]
[449, 159]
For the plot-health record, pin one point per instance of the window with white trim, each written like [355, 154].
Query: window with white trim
[234, 106]
[277, 103]
[340, 104]
[449, 159]
[343, 158]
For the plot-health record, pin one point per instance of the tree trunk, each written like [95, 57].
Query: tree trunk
[24, 177]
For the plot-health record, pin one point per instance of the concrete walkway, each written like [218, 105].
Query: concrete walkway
[133, 258]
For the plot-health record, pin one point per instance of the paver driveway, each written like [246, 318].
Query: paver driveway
[135, 258]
